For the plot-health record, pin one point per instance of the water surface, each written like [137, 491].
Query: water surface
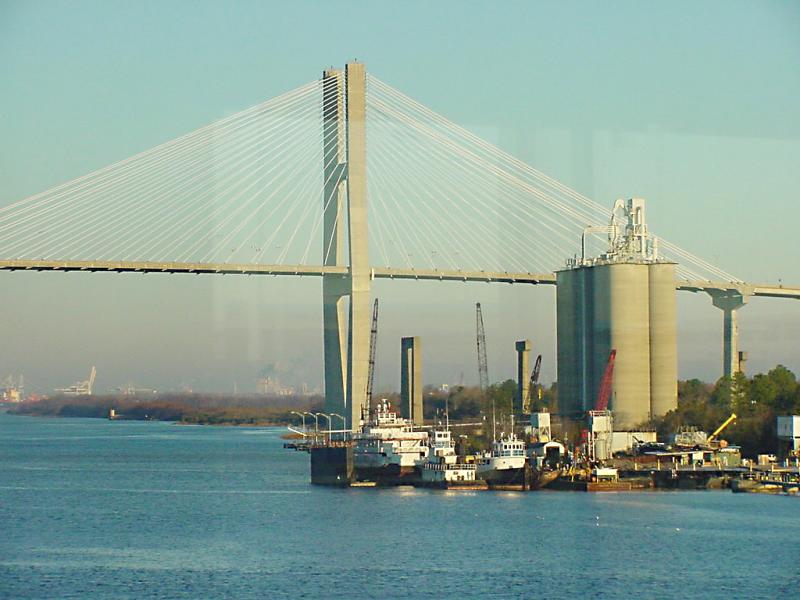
[101, 509]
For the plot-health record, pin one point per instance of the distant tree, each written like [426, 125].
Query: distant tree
[464, 403]
[722, 396]
[741, 400]
[756, 402]
[786, 387]
[550, 398]
[694, 389]
[503, 395]
[763, 392]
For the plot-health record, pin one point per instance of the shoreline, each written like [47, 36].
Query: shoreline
[206, 423]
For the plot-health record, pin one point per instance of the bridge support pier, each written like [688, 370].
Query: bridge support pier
[411, 379]
[729, 302]
[523, 375]
[346, 352]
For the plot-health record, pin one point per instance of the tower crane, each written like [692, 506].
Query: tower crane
[373, 346]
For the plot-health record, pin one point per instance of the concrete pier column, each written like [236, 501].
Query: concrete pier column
[523, 376]
[411, 379]
[345, 179]
[335, 288]
[729, 302]
[360, 276]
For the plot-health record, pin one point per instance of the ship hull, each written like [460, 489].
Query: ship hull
[386, 475]
[332, 465]
[518, 478]
[504, 479]
[473, 484]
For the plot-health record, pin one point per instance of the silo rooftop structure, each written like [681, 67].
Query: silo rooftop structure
[623, 299]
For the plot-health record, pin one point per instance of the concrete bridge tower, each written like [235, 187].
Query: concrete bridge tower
[346, 348]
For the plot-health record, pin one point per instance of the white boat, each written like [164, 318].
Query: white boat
[442, 469]
[505, 463]
[388, 447]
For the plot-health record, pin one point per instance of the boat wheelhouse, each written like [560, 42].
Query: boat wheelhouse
[442, 468]
[388, 445]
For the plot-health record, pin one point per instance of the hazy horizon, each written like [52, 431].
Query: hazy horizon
[690, 106]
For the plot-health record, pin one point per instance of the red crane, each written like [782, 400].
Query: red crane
[604, 393]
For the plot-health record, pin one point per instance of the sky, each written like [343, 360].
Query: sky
[693, 106]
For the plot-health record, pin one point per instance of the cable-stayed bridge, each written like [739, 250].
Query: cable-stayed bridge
[284, 187]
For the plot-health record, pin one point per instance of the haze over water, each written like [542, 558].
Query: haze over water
[93, 508]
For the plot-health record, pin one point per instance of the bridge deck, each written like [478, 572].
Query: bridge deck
[773, 291]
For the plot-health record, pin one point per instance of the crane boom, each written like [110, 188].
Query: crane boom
[90, 381]
[719, 429]
[534, 386]
[483, 369]
[537, 369]
[604, 393]
[373, 345]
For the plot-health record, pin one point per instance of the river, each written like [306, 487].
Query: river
[91, 508]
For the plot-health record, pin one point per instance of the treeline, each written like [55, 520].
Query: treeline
[218, 409]
[757, 401]
[468, 403]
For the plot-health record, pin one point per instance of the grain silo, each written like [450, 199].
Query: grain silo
[624, 300]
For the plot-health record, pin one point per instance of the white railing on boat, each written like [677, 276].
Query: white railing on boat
[450, 467]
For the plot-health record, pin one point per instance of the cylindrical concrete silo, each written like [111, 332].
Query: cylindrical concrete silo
[663, 340]
[601, 331]
[567, 343]
[622, 322]
[586, 340]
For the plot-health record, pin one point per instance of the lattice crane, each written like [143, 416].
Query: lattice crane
[533, 387]
[373, 346]
[604, 393]
[483, 368]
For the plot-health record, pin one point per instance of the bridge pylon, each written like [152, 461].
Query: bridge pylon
[729, 301]
[346, 351]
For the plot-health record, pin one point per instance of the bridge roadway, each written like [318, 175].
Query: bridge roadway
[745, 289]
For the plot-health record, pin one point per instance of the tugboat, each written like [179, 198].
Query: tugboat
[442, 469]
[505, 466]
[388, 448]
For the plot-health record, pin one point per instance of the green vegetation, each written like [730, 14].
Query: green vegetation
[470, 405]
[202, 409]
[756, 401]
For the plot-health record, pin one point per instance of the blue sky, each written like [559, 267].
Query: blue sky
[693, 106]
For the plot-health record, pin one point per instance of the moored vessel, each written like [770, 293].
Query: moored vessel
[388, 448]
[442, 468]
[505, 465]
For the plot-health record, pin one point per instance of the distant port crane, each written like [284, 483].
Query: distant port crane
[81, 388]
